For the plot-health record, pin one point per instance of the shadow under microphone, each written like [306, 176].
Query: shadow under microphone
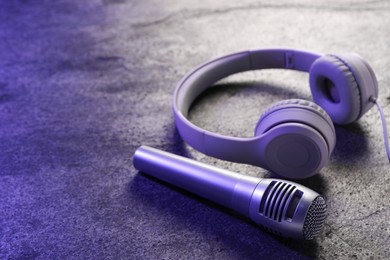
[282, 207]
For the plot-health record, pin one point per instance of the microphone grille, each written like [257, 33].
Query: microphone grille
[315, 218]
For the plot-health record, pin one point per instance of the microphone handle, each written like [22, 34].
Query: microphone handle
[224, 187]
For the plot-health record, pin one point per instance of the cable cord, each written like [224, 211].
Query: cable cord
[385, 137]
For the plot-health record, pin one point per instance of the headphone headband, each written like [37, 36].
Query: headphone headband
[202, 77]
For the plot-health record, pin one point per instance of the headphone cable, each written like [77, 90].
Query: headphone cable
[385, 137]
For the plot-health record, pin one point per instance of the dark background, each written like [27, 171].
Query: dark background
[84, 83]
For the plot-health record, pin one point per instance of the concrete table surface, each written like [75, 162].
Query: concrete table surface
[83, 84]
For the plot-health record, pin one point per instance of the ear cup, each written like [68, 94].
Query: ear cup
[300, 138]
[342, 85]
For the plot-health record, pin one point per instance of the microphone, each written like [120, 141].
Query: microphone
[281, 207]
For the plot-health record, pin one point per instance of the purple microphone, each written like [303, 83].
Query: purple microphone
[282, 207]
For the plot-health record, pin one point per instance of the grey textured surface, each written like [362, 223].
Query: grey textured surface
[82, 85]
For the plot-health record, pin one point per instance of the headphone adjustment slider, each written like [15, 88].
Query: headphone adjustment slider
[289, 60]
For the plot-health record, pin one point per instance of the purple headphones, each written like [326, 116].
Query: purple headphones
[293, 138]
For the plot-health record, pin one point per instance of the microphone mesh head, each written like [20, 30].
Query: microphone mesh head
[315, 218]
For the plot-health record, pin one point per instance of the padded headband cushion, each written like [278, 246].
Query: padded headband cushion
[335, 88]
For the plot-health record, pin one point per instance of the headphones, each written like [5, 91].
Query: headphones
[293, 138]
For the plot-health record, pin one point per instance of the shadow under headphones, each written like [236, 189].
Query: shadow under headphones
[293, 138]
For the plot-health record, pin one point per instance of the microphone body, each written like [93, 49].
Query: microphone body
[282, 207]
